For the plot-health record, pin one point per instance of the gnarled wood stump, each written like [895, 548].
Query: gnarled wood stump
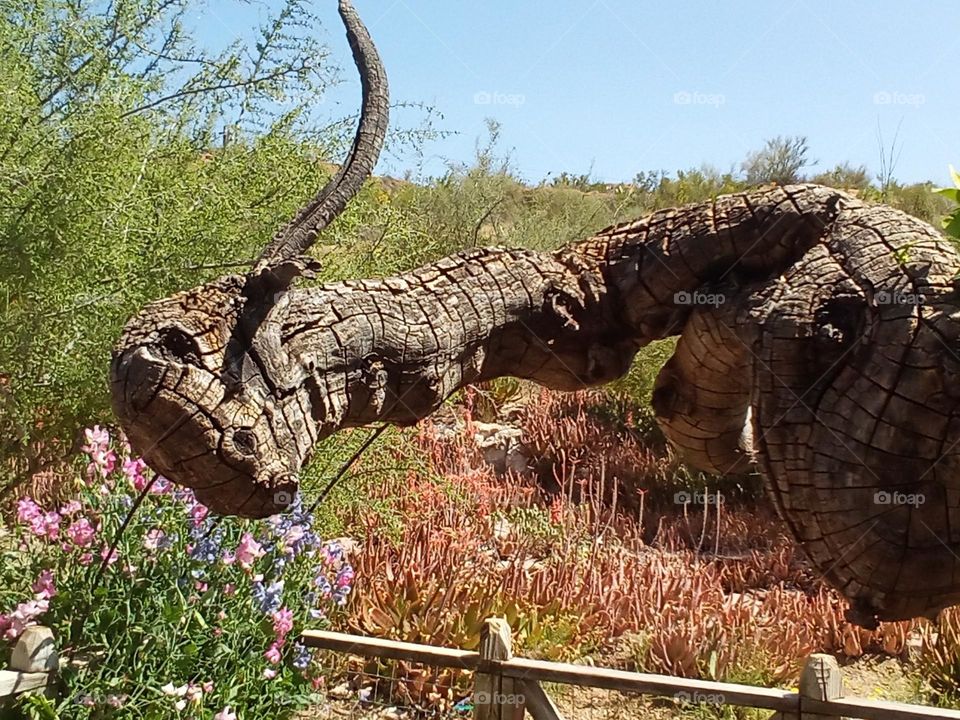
[818, 345]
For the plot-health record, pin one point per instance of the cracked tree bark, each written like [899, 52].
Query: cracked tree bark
[818, 344]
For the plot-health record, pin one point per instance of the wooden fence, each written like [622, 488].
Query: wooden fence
[33, 663]
[506, 686]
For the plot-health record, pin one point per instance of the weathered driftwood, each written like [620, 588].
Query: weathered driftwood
[818, 345]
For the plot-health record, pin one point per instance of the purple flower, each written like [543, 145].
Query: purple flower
[323, 585]
[157, 539]
[332, 553]
[302, 656]
[267, 598]
[209, 543]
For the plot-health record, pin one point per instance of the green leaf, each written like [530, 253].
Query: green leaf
[951, 193]
[951, 225]
[200, 621]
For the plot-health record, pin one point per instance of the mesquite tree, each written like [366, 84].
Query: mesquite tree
[818, 345]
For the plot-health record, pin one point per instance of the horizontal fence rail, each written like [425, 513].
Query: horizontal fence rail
[33, 664]
[527, 672]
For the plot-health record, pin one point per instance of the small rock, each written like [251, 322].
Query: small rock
[341, 692]
[502, 528]
[35, 651]
[913, 648]
[502, 446]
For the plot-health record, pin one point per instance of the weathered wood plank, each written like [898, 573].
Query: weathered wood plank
[496, 697]
[876, 710]
[663, 685]
[391, 649]
[539, 704]
[13, 682]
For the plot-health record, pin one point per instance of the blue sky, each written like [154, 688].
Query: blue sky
[614, 87]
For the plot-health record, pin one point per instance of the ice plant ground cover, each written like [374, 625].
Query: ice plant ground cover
[585, 550]
[189, 619]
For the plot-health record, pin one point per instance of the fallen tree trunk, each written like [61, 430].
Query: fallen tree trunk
[818, 344]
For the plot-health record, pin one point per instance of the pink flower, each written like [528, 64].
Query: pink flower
[269, 673]
[161, 486]
[103, 555]
[24, 616]
[154, 538]
[51, 525]
[102, 461]
[293, 536]
[97, 438]
[345, 577]
[71, 508]
[44, 586]
[273, 654]
[86, 558]
[200, 586]
[282, 623]
[81, 532]
[225, 714]
[248, 551]
[41, 524]
[229, 589]
[133, 470]
[28, 510]
[198, 512]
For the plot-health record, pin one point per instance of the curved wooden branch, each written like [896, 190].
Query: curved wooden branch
[293, 240]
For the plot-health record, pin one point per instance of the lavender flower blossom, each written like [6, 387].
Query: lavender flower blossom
[268, 598]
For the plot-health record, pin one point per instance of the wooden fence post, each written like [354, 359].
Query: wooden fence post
[33, 665]
[820, 679]
[494, 696]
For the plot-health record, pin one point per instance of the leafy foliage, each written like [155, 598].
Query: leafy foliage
[951, 224]
[781, 160]
[188, 613]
